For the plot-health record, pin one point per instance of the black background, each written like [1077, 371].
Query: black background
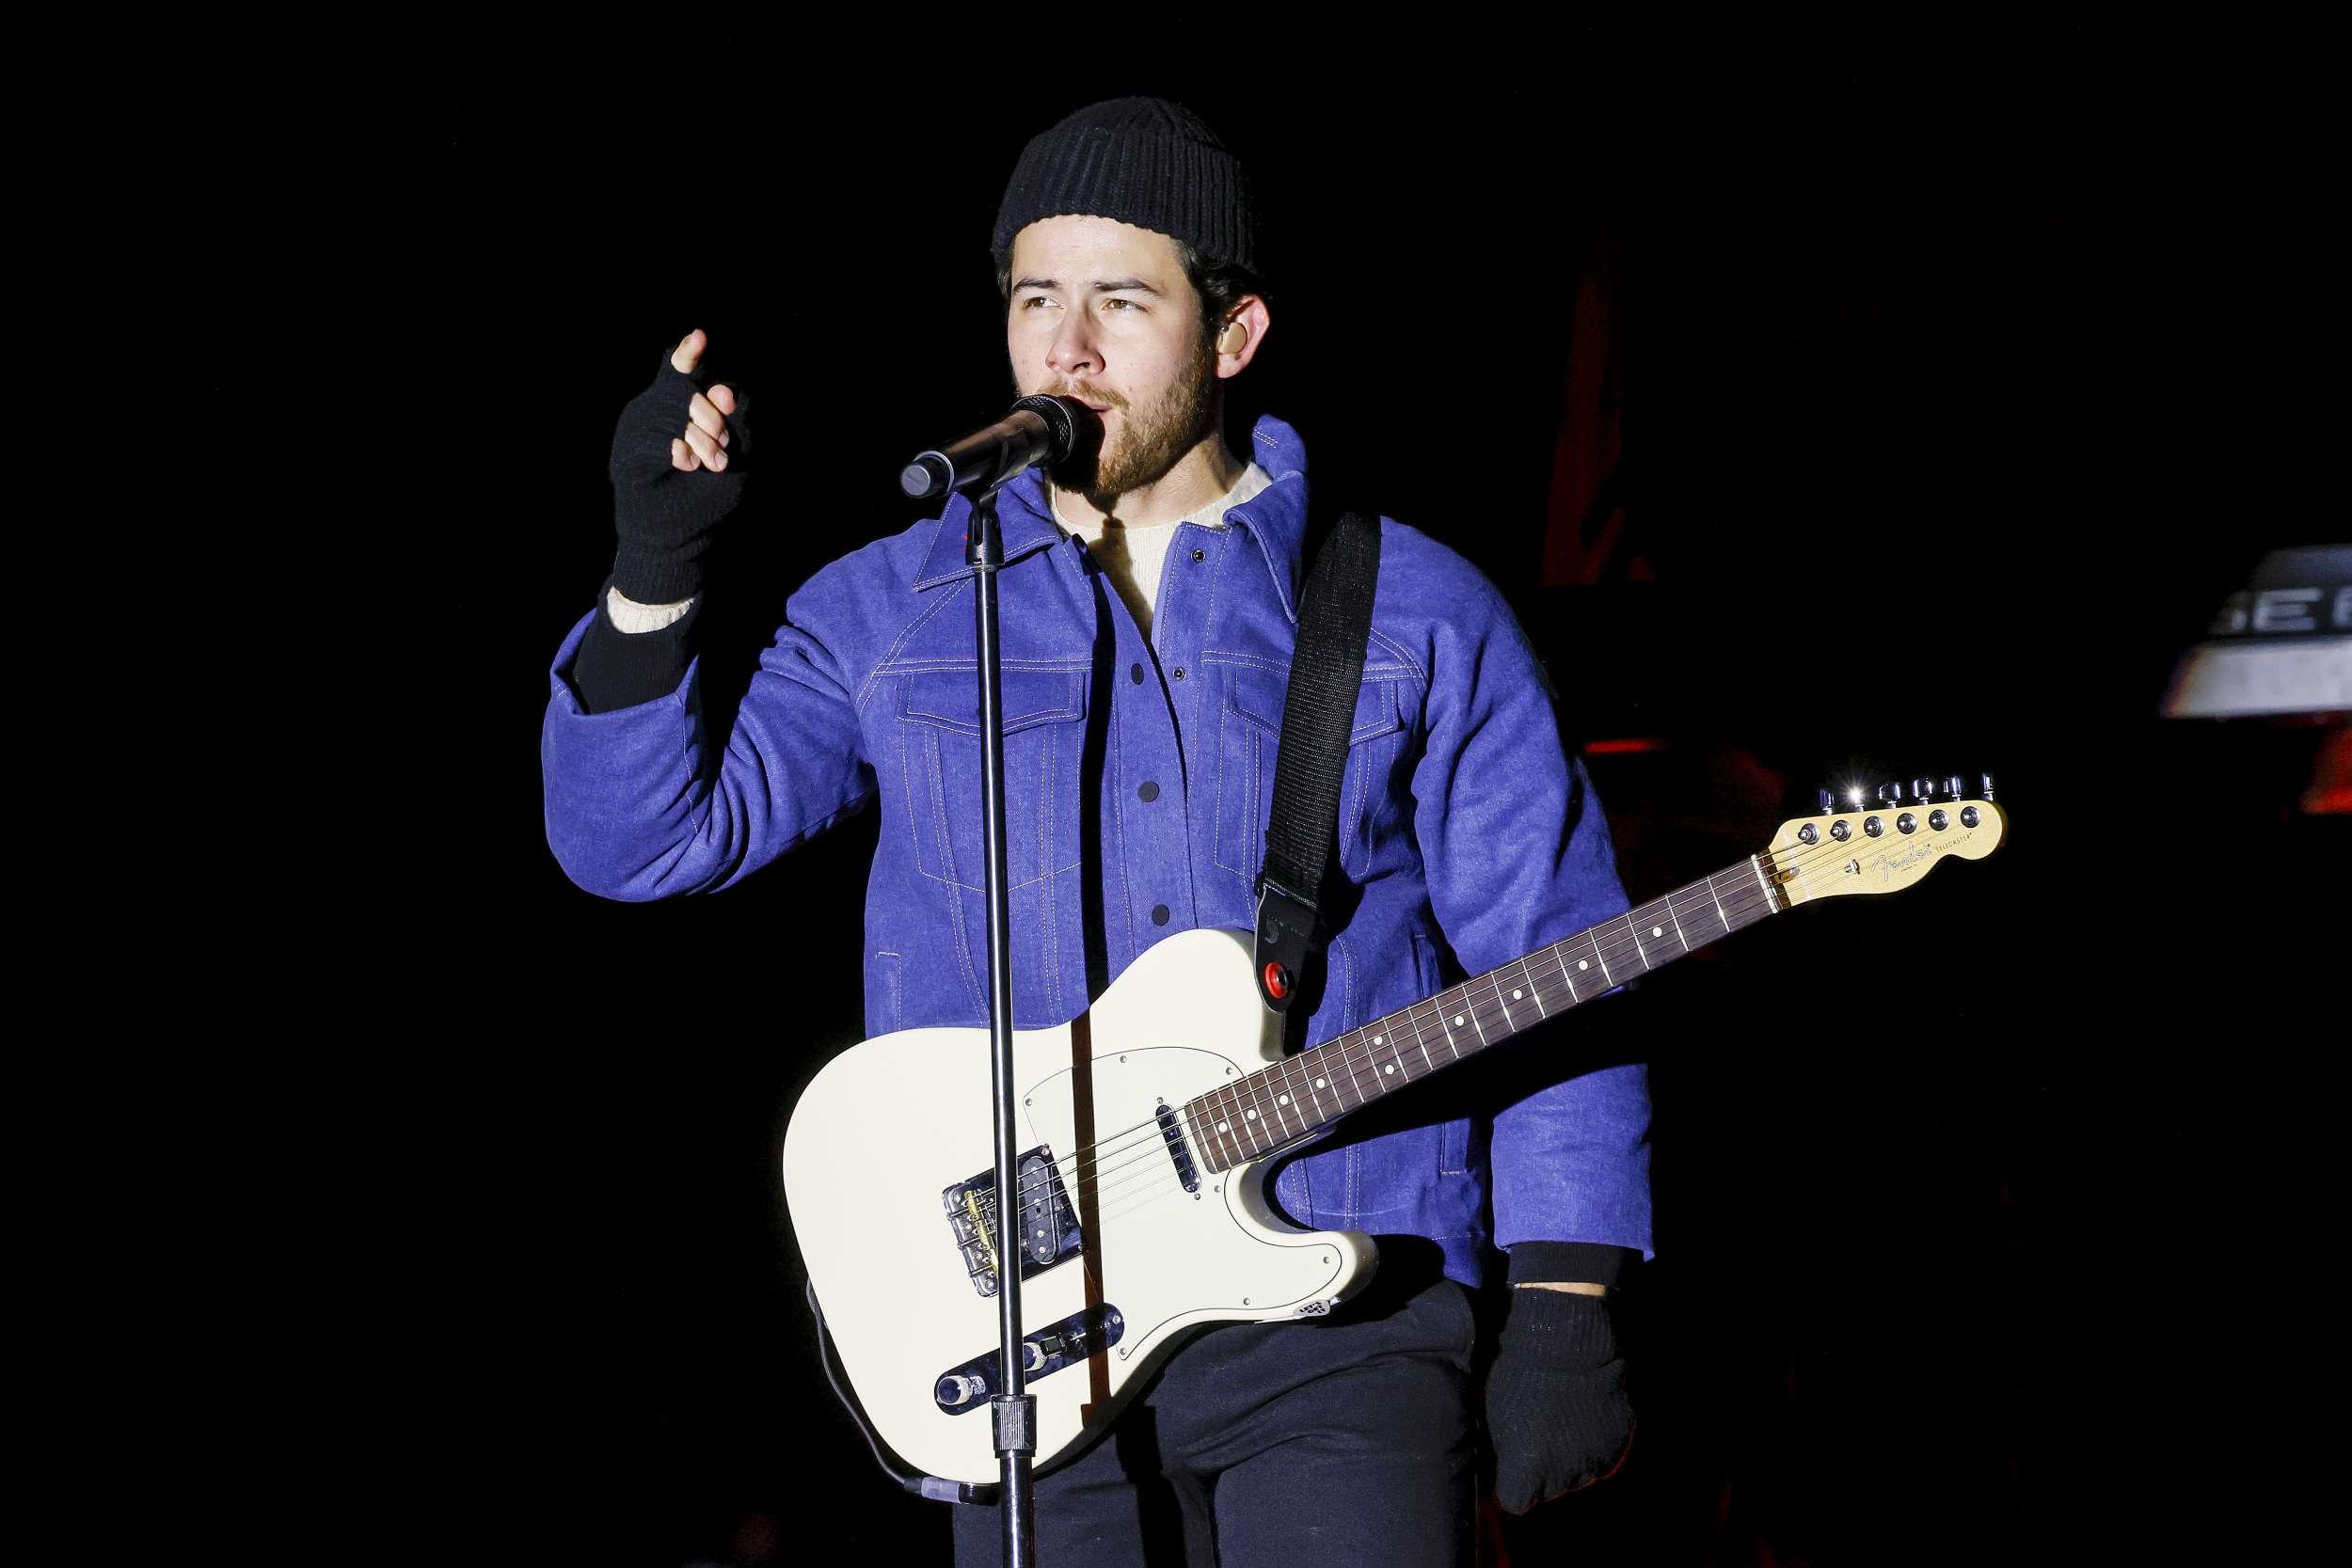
[1965, 376]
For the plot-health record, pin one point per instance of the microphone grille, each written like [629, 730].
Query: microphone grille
[921, 481]
[1060, 424]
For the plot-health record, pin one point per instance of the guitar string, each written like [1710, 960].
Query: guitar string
[1793, 863]
[1481, 992]
[1111, 1186]
[1358, 1069]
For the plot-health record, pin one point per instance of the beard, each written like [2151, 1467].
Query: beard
[1151, 440]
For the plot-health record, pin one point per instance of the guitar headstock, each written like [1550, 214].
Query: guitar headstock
[1857, 844]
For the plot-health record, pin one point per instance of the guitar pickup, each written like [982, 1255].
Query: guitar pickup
[1049, 1224]
[1173, 1132]
[969, 1388]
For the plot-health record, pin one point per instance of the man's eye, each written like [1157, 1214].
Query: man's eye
[1118, 305]
[1037, 302]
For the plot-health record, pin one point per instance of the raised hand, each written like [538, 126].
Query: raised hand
[677, 458]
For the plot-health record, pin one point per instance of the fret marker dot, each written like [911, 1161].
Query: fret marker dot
[1391, 1068]
[1457, 1021]
[1220, 1126]
[1515, 996]
[1375, 1040]
[1281, 1099]
[1318, 1083]
[1582, 965]
[1249, 1116]
[1657, 931]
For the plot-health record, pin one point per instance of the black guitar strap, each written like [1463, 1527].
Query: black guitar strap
[1318, 714]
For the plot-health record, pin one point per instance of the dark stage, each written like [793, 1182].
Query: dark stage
[1944, 407]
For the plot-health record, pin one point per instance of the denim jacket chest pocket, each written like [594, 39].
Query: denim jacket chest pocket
[1250, 731]
[939, 738]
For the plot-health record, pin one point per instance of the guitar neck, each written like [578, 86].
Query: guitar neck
[1295, 1098]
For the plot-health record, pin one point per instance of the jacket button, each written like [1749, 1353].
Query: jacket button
[1180, 672]
[1201, 555]
[1160, 914]
[1134, 673]
[1148, 791]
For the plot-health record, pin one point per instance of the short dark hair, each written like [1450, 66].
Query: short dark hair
[1220, 285]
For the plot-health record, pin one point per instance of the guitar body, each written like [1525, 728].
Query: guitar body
[1130, 1256]
[1148, 1126]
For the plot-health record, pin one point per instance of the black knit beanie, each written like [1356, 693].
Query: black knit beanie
[1143, 161]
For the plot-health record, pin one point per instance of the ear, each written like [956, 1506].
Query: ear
[1237, 342]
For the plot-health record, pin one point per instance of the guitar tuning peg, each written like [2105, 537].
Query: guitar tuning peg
[1952, 787]
[1890, 794]
[1921, 789]
[1987, 791]
[1829, 803]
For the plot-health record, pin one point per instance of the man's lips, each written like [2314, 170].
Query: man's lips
[1092, 405]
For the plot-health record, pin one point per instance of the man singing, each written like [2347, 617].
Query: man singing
[1149, 605]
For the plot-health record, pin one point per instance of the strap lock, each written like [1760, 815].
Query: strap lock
[1278, 957]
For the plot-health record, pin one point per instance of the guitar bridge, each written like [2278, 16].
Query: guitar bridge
[1049, 1224]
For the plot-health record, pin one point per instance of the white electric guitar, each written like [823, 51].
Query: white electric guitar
[1151, 1123]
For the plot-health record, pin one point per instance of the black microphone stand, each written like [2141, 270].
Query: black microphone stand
[1013, 1409]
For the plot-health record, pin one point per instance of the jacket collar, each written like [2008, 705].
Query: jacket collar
[1276, 517]
[1022, 516]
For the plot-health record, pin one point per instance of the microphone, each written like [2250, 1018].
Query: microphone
[1039, 430]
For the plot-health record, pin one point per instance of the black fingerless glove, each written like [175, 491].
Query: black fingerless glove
[665, 517]
[1556, 1409]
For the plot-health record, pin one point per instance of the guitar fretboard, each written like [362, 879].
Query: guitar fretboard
[1279, 1105]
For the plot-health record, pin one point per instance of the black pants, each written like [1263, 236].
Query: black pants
[1343, 1441]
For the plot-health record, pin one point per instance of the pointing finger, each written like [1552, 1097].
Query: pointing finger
[689, 352]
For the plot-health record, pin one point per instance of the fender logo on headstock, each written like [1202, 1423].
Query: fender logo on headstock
[1887, 865]
[1816, 857]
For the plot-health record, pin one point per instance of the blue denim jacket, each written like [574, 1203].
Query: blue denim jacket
[1468, 837]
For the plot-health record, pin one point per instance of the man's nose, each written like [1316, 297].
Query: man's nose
[1074, 351]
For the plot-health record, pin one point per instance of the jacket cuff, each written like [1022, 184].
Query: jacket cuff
[1545, 1262]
